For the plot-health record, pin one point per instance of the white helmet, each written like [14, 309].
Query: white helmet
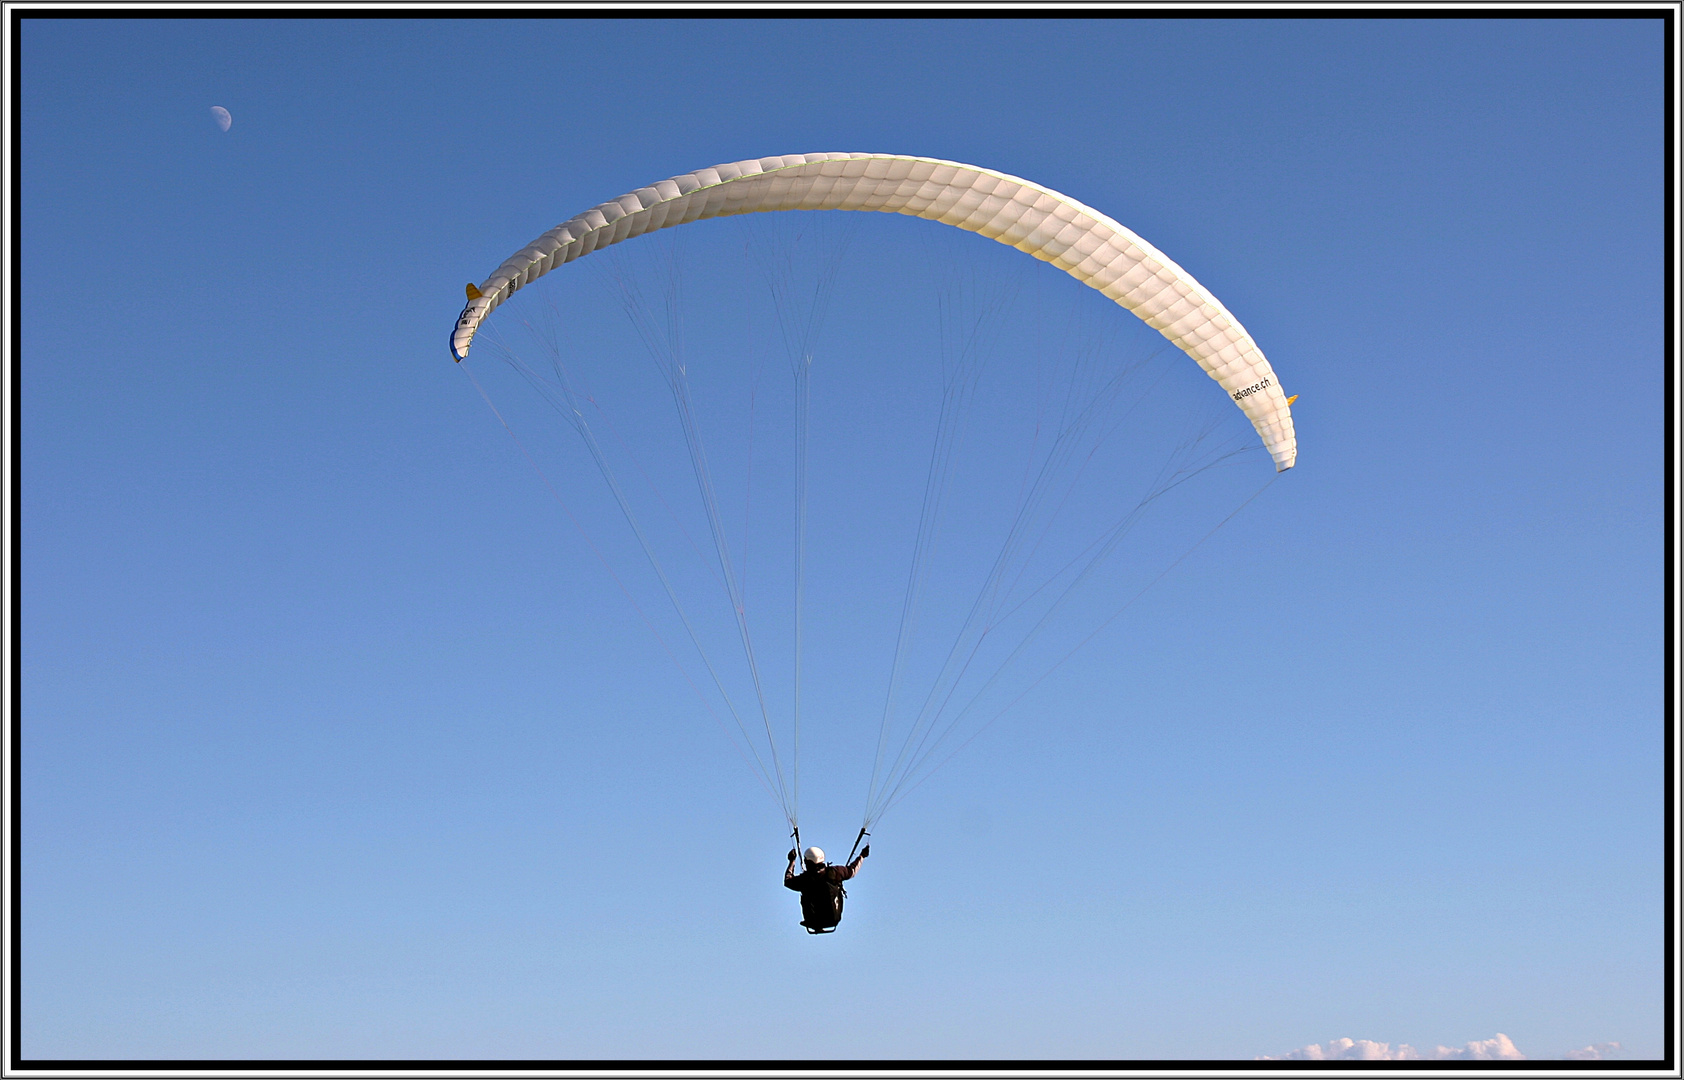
[814, 857]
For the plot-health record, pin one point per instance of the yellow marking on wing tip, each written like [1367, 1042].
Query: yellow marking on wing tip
[1291, 399]
[473, 291]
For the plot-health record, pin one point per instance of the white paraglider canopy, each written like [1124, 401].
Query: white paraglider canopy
[1055, 228]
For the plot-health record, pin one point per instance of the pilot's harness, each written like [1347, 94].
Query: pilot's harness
[837, 885]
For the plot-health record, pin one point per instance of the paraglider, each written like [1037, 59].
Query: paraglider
[1089, 246]
[820, 886]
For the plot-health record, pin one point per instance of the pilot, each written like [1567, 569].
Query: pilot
[821, 888]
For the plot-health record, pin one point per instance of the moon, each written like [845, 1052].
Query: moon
[220, 115]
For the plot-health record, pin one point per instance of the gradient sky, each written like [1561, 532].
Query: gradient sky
[338, 742]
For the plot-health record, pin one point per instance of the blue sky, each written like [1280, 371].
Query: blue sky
[339, 742]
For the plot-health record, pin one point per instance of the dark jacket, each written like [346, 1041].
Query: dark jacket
[821, 892]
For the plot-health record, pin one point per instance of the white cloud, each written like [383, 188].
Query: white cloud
[1598, 1052]
[1497, 1049]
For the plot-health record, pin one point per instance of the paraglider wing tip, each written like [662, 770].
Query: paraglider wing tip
[1291, 399]
[468, 322]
